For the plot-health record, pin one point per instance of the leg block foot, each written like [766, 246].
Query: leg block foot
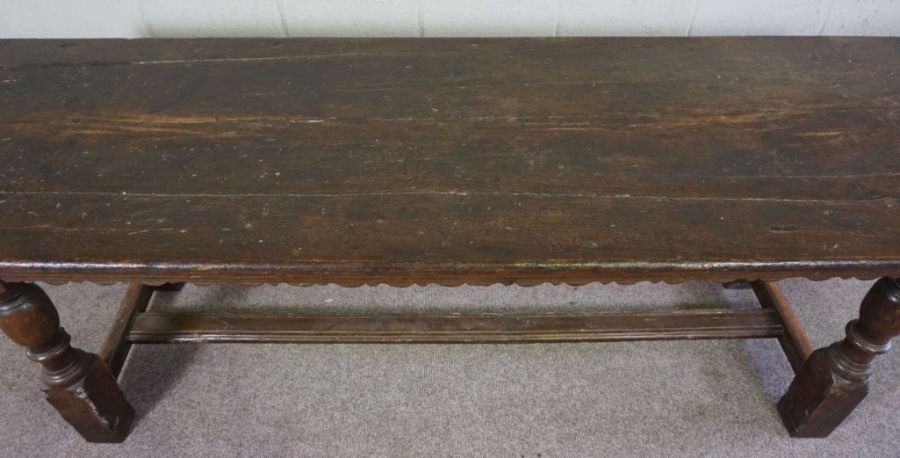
[819, 399]
[834, 380]
[78, 384]
[94, 405]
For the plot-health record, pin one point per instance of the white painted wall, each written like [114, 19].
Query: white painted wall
[432, 18]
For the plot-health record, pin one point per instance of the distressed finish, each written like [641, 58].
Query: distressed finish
[449, 160]
[461, 328]
[834, 379]
[77, 383]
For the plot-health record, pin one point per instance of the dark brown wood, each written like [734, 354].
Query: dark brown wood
[834, 379]
[794, 342]
[169, 287]
[449, 160]
[77, 383]
[115, 349]
[479, 328]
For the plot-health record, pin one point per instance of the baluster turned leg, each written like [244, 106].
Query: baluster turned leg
[79, 386]
[833, 381]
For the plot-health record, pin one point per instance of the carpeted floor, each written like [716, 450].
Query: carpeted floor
[704, 398]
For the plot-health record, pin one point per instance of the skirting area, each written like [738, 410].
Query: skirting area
[586, 399]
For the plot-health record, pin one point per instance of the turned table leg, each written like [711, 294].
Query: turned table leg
[833, 381]
[78, 385]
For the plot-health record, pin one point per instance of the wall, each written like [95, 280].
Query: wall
[177, 18]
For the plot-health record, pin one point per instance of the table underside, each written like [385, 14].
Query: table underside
[449, 161]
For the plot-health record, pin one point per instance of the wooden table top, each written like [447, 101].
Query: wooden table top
[449, 160]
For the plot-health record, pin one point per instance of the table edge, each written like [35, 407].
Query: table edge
[394, 274]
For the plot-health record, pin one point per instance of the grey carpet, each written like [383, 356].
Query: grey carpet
[704, 398]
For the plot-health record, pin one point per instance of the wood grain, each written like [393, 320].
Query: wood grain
[449, 161]
[116, 347]
[462, 328]
[795, 343]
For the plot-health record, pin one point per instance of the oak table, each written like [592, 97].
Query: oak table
[449, 161]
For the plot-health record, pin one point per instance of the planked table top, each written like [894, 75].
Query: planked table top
[449, 160]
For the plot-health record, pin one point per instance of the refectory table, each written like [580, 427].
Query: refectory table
[448, 161]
